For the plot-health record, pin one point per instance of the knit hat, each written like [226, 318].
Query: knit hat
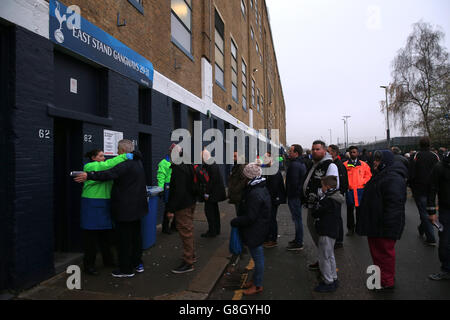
[386, 158]
[252, 171]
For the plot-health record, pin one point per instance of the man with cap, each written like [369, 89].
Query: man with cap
[253, 222]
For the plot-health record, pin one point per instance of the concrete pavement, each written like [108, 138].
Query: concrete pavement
[287, 277]
[157, 282]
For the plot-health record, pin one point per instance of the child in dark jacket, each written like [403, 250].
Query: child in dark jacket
[326, 216]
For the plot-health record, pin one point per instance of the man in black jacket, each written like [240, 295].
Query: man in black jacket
[181, 204]
[440, 186]
[277, 191]
[294, 180]
[382, 213]
[333, 150]
[215, 193]
[420, 172]
[128, 206]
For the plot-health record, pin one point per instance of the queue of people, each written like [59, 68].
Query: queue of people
[373, 183]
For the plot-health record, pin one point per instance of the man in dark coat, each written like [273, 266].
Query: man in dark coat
[295, 176]
[382, 213]
[253, 222]
[181, 205]
[215, 193]
[333, 150]
[277, 191]
[128, 206]
[420, 169]
[236, 183]
[440, 187]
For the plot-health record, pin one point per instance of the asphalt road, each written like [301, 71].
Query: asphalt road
[287, 277]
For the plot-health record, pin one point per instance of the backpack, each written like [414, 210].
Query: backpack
[201, 180]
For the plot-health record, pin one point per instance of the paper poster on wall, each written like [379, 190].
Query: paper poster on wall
[110, 142]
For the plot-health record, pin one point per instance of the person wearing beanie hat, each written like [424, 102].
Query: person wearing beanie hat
[382, 213]
[253, 222]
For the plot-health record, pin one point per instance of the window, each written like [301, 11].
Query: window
[257, 48]
[252, 34]
[256, 6]
[219, 54]
[253, 92]
[138, 5]
[260, 58]
[181, 24]
[234, 89]
[262, 104]
[244, 85]
[260, 28]
[243, 7]
[257, 101]
[251, 3]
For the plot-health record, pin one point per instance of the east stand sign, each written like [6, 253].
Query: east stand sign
[69, 30]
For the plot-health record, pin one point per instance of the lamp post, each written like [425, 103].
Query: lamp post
[388, 133]
[346, 130]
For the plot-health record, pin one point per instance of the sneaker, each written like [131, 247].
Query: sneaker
[183, 268]
[440, 276]
[324, 288]
[295, 247]
[292, 242]
[119, 274]
[270, 244]
[252, 290]
[338, 245]
[140, 268]
[91, 271]
[336, 283]
[430, 243]
[314, 266]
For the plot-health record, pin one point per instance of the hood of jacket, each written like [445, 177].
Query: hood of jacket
[327, 157]
[137, 155]
[335, 195]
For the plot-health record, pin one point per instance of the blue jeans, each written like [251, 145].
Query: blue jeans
[425, 225]
[444, 240]
[295, 206]
[258, 257]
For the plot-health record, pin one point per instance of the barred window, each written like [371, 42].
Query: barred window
[234, 89]
[181, 24]
[244, 85]
[219, 49]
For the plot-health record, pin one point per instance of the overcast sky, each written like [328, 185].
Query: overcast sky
[333, 55]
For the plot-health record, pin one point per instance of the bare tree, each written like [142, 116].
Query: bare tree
[419, 94]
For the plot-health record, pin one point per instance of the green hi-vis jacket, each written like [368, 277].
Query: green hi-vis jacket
[100, 189]
[164, 172]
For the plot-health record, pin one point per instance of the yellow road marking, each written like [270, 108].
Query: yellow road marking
[238, 294]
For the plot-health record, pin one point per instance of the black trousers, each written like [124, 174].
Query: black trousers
[129, 245]
[213, 216]
[93, 239]
[351, 222]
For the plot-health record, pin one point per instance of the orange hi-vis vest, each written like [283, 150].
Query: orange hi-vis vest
[358, 176]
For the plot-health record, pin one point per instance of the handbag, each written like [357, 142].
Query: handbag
[235, 241]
